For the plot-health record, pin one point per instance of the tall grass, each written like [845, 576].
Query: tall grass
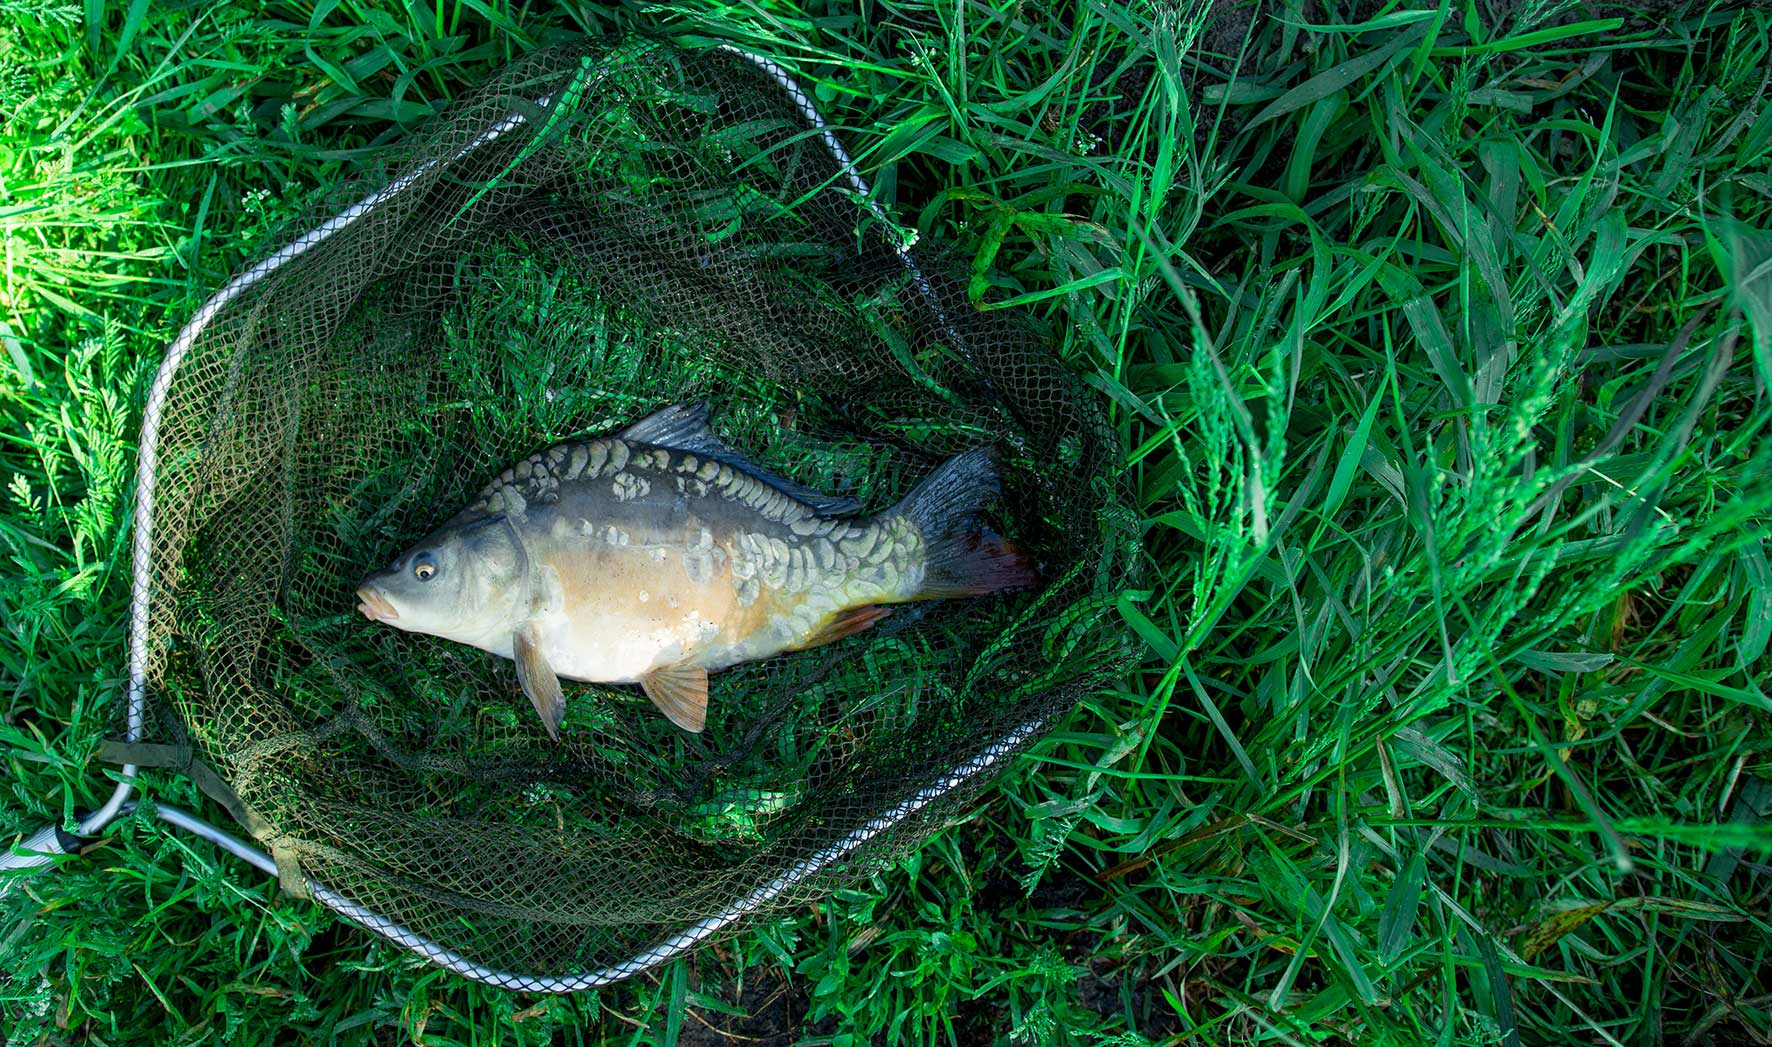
[1438, 340]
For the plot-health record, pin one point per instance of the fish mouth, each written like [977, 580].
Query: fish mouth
[375, 606]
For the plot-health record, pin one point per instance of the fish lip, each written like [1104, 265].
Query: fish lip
[374, 605]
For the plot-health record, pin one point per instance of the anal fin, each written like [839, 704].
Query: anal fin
[844, 623]
[681, 693]
[539, 681]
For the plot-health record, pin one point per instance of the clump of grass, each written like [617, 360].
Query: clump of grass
[1422, 379]
[1436, 340]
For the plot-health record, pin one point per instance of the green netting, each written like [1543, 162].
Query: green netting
[601, 232]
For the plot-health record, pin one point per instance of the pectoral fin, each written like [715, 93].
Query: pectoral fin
[539, 681]
[681, 693]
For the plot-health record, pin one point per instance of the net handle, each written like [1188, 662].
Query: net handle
[51, 843]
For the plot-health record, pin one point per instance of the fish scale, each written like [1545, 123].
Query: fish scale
[537, 479]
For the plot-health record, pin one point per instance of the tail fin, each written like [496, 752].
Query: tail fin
[963, 558]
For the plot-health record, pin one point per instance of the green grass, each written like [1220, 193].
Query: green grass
[1439, 341]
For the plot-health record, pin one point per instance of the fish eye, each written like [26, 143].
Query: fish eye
[423, 567]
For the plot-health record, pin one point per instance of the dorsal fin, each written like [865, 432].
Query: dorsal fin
[684, 427]
[680, 427]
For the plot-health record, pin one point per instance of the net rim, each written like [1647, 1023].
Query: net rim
[121, 802]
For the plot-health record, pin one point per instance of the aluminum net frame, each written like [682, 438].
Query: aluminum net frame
[48, 844]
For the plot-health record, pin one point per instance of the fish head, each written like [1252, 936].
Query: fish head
[462, 582]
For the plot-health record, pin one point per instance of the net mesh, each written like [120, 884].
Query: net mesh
[602, 231]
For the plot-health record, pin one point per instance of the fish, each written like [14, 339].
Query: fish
[658, 554]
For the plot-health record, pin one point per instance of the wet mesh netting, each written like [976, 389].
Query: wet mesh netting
[603, 231]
